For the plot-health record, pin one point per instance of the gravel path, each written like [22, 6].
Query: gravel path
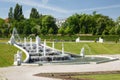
[27, 72]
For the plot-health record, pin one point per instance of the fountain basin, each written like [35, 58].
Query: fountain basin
[80, 60]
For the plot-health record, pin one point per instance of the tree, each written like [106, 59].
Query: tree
[73, 23]
[112, 31]
[34, 13]
[69, 31]
[49, 22]
[27, 30]
[10, 14]
[1, 22]
[44, 30]
[61, 30]
[18, 14]
[34, 30]
[117, 30]
[50, 31]
[100, 26]
[103, 24]
[0, 32]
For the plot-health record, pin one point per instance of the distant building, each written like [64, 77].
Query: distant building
[6, 20]
[59, 22]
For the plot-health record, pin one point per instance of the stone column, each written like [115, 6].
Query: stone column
[25, 44]
[37, 44]
[53, 47]
[44, 50]
[31, 43]
[62, 49]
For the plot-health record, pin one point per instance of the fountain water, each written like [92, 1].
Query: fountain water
[82, 52]
[86, 49]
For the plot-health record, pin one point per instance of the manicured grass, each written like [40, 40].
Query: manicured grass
[7, 54]
[3, 40]
[90, 48]
[99, 77]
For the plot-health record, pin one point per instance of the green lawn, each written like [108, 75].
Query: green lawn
[4, 40]
[7, 54]
[99, 77]
[90, 48]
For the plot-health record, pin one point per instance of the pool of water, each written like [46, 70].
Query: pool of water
[82, 60]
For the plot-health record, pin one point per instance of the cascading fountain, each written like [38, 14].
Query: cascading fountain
[38, 52]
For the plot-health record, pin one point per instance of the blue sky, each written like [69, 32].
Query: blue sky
[63, 8]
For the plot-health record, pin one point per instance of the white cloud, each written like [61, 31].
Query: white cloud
[33, 3]
[27, 13]
[45, 1]
[99, 8]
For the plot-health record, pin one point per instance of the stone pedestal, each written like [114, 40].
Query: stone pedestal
[18, 58]
[100, 40]
[78, 39]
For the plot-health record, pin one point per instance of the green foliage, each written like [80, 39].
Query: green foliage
[27, 28]
[117, 30]
[51, 31]
[61, 31]
[112, 31]
[49, 22]
[68, 30]
[1, 22]
[44, 31]
[34, 30]
[89, 24]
